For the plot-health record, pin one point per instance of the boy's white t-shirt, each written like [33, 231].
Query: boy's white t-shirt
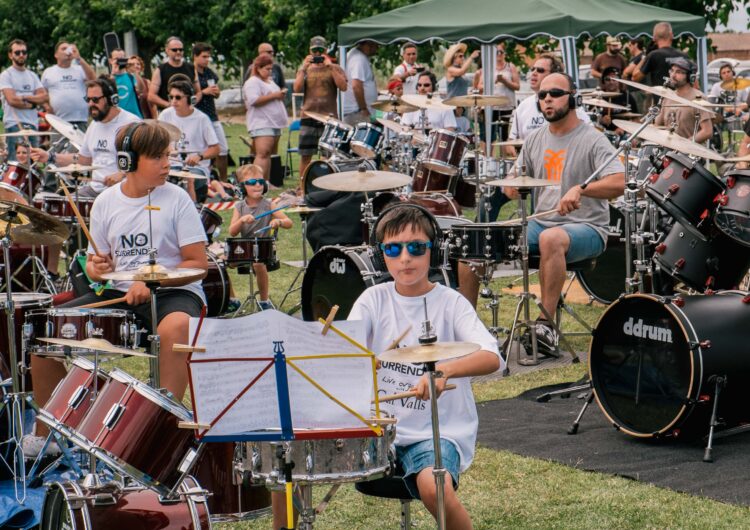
[120, 228]
[198, 133]
[386, 315]
[99, 143]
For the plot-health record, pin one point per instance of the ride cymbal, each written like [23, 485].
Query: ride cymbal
[596, 93]
[668, 139]
[426, 353]
[362, 180]
[427, 102]
[89, 345]
[154, 273]
[665, 93]
[596, 102]
[174, 132]
[25, 133]
[477, 100]
[75, 168]
[396, 105]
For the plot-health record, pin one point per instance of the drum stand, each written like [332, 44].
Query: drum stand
[251, 300]
[301, 272]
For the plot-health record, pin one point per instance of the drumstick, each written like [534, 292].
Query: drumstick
[269, 212]
[79, 216]
[529, 218]
[103, 303]
[410, 393]
[263, 229]
[394, 344]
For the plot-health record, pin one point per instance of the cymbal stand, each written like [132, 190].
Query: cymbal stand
[301, 272]
[154, 374]
[486, 292]
[477, 139]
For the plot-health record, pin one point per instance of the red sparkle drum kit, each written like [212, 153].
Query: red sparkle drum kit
[59, 206]
[19, 181]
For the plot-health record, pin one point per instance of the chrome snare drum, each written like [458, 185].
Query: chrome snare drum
[115, 325]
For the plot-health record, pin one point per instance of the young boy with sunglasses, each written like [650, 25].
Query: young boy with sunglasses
[245, 223]
[406, 237]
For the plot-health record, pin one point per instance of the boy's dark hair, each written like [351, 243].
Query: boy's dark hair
[398, 218]
[200, 47]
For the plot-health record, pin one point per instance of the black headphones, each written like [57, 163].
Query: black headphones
[437, 238]
[574, 99]
[127, 159]
[109, 90]
[184, 84]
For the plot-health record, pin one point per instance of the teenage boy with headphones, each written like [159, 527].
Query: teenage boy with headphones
[407, 239]
[99, 140]
[565, 152]
[682, 75]
[198, 134]
[244, 223]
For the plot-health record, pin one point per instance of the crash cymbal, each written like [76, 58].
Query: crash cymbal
[520, 182]
[629, 115]
[75, 168]
[426, 353]
[597, 102]
[417, 137]
[665, 93]
[710, 104]
[90, 345]
[512, 143]
[668, 139]
[67, 129]
[155, 273]
[324, 118]
[303, 210]
[174, 132]
[25, 133]
[738, 83]
[362, 180]
[477, 100]
[595, 93]
[31, 226]
[397, 105]
[186, 175]
[427, 102]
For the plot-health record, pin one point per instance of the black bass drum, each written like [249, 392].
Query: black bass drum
[338, 275]
[652, 362]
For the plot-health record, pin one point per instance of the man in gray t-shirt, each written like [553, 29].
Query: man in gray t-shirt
[566, 152]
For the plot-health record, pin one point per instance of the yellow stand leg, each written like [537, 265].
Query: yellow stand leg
[289, 505]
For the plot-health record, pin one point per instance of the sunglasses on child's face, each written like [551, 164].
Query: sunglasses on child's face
[253, 182]
[415, 248]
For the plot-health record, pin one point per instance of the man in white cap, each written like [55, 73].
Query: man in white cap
[612, 58]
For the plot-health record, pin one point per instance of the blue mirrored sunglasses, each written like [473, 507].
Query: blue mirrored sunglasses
[415, 248]
[253, 182]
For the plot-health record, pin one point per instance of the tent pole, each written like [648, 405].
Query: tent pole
[702, 59]
[570, 57]
[340, 97]
[488, 74]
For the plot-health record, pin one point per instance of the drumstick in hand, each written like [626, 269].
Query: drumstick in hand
[404, 395]
[79, 216]
[103, 303]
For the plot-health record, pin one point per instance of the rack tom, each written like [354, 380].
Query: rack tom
[23, 303]
[426, 179]
[445, 151]
[335, 138]
[59, 206]
[18, 181]
[366, 140]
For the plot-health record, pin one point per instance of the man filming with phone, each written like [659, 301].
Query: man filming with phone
[128, 86]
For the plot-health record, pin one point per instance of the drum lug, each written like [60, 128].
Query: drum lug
[113, 416]
[187, 461]
[686, 173]
[660, 248]
[77, 398]
[722, 199]
[673, 189]
[309, 463]
[49, 329]
[103, 499]
[366, 458]
[746, 299]
[680, 263]
[28, 331]
[678, 301]
[731, 181]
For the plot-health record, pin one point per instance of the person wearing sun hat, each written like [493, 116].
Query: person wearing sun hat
[456, 66]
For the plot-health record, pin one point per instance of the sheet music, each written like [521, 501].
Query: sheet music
[217, 384]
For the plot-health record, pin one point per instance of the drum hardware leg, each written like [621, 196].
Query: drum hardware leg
[154, 375]
[405, 514]
[250, 300]
[719, 383]
[37, 269]
[301, 272]
[323, 504]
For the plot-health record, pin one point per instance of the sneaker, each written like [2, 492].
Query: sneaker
[546, 339]
[233, 305]
[265, 305]
[31, 446]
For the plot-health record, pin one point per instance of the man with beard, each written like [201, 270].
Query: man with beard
[684, 118]
[99, 141]
[22, 92]
[565, 152]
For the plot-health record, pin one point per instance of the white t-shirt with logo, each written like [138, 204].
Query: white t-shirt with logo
[386, 314]
[120, 228]
[99, 144]
[358, 67]
[25, 83]
[436, 118]
[198, 133]
[527, 118]
[67, 88]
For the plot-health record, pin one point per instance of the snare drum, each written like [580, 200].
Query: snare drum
[59, 206]
[20, 181]
[211, 221]
[327, 461]
[24, 303]
[248, 250]
[445, 151]
[335, 138]
[486, 241]
[366, 140]
[426, 179]
[115, 325]
[134, 429]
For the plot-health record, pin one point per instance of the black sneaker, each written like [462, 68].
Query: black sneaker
[546, 339]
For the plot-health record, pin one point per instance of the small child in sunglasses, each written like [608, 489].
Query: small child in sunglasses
[245, 222]
[394, 311]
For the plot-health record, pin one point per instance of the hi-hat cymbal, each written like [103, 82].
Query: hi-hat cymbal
[417, 137]
[187, 175]
[67, 129]
[596, 93]
[668, 139]
[427, 353]
[155, 273]
[513, 143]
[31, 226]
[738, 83]
[426, 102]
[666, 93]
[520, 182]
[397, 105]
[25, 133]
[362, 180]
[597, 102]
[89, 346]
[477, 100]
[303, 210]
[75, 168]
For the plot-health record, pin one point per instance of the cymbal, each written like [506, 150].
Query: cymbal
[362, 180]
[174, 132]
[397, 105]
[711, 104]
[513, 143]
[520, 182]
[738, 83]
[664, 93]
[67, 129]
[303, 210]
[324, 118]
[187, 175]
[178, 152]
[426, 102]
[477, 100]
[154, 273]
[417, 137]
[426, 353]
[668, 139]
[90, 345]
[30, 225]
[629, 116]
[25, 133]
[596, 93]
[75, 168]
[597, 102]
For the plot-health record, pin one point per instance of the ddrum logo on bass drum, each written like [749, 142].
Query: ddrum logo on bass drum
[638, 329]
